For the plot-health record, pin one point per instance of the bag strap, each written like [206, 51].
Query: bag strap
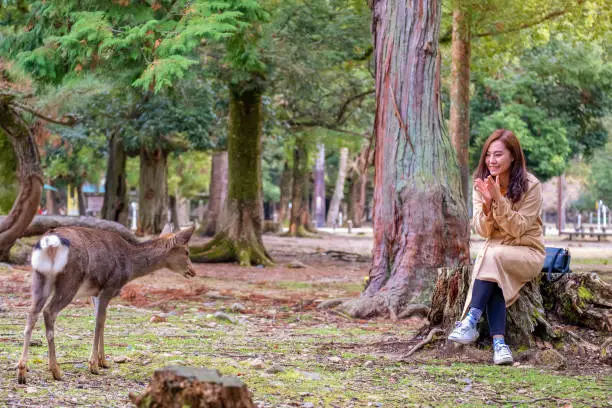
[552, 264]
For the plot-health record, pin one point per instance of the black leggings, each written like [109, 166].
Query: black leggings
[490, 296]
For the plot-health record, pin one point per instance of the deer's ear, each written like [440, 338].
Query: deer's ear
[167, 229]
[183, 236]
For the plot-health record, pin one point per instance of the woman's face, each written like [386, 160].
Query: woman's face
[498, 159]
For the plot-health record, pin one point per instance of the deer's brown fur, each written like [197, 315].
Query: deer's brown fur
[99, 264]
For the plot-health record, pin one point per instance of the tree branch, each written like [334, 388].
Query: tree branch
[523, 26]
[67, 120]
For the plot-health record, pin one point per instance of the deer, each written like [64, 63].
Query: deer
[73, 262]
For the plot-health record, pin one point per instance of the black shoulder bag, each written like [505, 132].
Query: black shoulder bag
[557, 261]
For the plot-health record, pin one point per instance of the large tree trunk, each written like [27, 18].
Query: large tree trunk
[81, 200]
[318, 202]
[29, 175]
[116, 205]
[240, 236]
[420, 218]
[459, 124]
[359, 187]
[285, 193]
[173, 203]
[51, 205]
[334, 205]
[299, 193]
[218, 193]
[153, 200]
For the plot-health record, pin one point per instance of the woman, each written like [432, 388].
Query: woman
[507, 207]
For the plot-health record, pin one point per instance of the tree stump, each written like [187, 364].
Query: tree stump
[576, 298]
[580, 298]
[179, 387]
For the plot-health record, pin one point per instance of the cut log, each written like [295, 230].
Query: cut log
[43, 223]
[179, 387]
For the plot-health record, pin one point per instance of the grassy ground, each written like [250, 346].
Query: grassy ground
[287, 352]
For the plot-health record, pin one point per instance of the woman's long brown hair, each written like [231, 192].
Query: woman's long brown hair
[517, 185]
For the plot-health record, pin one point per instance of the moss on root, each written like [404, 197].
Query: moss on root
[224, 249]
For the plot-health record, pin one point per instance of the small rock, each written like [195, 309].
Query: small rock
[30, 390]
[310, 376]
[79, 365]
[275, 369]
[295, 264]
[158, 319]
[368, 363]
[36, 343]
[551, 358]
[216, 295]
[305, 394]
[224, 316]
[122, 359]
[335, 359]
[308, 405]
[257, 363]
[237, 307]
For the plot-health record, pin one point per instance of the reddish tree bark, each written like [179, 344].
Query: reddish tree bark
[420, 218]
[459, 123]
[28, 172]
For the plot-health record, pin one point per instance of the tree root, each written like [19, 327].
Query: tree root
[379, 305]
[301, 232]
[224, 249]
[425, 341]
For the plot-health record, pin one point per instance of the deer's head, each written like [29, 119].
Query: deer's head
[177, 259]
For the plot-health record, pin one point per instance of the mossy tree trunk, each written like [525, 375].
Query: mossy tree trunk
[153, 200]
[299, 217]
[218, 193]
[29, 174]
[420, 218]
[459, 123]
[116, 205]
[240, 234]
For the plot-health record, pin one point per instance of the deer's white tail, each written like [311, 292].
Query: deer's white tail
[50, 254]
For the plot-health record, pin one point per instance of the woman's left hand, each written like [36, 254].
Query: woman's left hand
[494, 188]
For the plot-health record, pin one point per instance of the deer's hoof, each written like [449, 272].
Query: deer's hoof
[103, 363]
[57, 374]
[21, 378]
[93, 368]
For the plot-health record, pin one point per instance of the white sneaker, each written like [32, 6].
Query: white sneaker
[502, 355]
[463, 333]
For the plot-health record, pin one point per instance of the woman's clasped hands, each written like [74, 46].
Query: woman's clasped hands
[489, 189]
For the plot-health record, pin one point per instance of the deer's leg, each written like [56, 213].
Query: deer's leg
[101, 304]
[50, 316]
[101, 355]
[41, 289]
[67, 288]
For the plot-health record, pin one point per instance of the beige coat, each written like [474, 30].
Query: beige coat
[514, 251]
